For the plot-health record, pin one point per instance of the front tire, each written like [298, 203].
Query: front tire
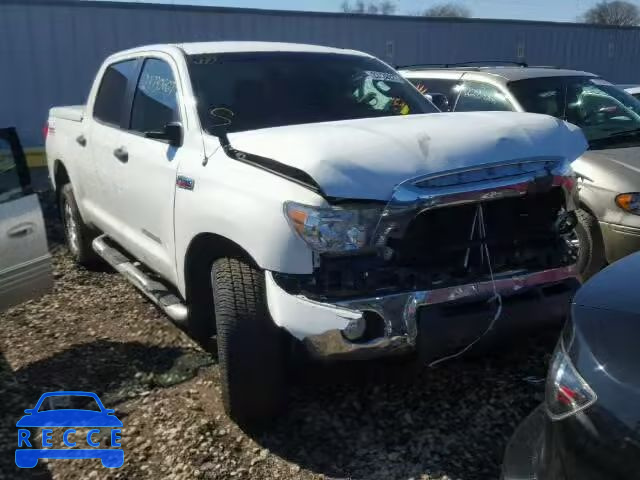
[591, 254]
[77, 234]
[251, 348]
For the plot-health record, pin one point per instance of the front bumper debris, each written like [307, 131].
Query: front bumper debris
[522, 457]
[321, 326]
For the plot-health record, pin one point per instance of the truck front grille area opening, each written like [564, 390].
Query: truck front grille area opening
[520, 233]
[441, 248]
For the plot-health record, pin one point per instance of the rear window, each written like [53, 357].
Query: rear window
[283, 88]
[482, 97]
[111, 95]
[442, 86]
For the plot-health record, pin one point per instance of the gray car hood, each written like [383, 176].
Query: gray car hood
[366, 159]
[613, 168]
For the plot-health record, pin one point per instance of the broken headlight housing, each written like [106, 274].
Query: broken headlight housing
[347, 228]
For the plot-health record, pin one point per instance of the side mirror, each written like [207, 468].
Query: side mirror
[173, 133]
[441, 101]
[29, 411]
[109, 411]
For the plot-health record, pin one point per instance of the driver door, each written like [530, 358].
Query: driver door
[25, 262]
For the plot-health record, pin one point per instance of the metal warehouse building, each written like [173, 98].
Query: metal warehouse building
[51, 49]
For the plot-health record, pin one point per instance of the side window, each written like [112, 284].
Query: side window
[481, 97]
[13, 178]
[156, 101]
[9, 182]
[111, 95]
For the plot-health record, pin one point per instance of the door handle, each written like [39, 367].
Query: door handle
[82, 141]
[121, 154]
[21, 230]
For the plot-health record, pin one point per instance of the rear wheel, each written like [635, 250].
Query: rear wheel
[591, 255]
[77, 234]
[251, 348]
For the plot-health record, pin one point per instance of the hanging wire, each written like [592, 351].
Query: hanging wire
[496, 296]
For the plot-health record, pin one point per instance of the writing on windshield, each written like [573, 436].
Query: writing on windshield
[271, 89]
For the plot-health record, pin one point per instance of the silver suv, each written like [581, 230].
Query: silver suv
[609, 173]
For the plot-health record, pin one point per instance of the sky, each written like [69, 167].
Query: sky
[549, 10]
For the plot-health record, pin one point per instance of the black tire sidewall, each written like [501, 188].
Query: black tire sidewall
[591, 255]
[251, 348]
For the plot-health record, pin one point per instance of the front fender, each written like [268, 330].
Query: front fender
[598, 184]
[245, 205]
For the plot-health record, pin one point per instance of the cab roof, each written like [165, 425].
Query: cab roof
[199, 48]
[508, 74]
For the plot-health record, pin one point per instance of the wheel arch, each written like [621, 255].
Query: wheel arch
[582, 205]
[60, 177]
[204, 249]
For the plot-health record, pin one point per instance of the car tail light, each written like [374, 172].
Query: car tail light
[45, 131]
[566, 391]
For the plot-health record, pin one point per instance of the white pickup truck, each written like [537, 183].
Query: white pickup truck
[283, 195]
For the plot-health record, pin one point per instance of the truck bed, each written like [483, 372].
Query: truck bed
[75, 113]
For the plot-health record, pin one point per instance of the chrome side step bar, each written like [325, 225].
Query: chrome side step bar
[156, 291]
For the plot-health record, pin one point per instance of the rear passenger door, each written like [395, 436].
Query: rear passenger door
[109, 120]
[25, 263]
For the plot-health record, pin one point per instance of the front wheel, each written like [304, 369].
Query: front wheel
[251, 348]
[591, 254]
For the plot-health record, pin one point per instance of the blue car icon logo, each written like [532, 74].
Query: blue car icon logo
[68, 411]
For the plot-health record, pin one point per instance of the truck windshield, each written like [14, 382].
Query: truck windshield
[274, 89]
[608, 116]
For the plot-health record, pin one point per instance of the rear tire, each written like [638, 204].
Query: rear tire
[591, 254]
[77, 234]
[251, 348]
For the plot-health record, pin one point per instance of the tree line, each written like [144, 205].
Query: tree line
[390, 7]
[606, 12]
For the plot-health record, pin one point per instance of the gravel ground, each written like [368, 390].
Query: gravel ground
[95, 332]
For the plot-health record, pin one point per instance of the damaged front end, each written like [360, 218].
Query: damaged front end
[422, 268]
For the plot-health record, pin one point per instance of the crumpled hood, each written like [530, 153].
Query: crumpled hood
[366, 159]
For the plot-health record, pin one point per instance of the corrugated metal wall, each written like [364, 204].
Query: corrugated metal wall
[50, 49]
